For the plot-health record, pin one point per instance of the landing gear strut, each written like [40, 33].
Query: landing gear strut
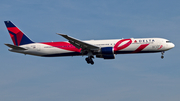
[162, 54]
[89, 60]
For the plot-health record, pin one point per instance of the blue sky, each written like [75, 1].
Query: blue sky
[135, 77]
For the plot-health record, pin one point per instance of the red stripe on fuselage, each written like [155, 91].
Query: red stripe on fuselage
[63, 45]
[117, 47]
[160, 47]
[140, 48]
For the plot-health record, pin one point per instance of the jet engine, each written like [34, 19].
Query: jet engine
[106, 53]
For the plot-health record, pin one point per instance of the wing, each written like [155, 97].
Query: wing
[15, 47]
[80, 44]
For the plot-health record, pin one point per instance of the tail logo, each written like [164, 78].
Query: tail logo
[17, 36]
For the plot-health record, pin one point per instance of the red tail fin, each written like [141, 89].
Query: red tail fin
[17, 36]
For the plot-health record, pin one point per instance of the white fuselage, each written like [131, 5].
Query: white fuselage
[119, 46]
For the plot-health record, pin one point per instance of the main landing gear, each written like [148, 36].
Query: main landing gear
[162, 54]
[89, 60]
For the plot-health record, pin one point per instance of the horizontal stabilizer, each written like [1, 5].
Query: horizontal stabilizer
[15, 47]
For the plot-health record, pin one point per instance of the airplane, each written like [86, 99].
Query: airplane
[106, 49]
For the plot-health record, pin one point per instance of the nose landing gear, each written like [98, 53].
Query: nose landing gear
[162, 54]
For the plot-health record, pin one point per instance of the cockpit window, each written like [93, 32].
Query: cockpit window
[168, 41]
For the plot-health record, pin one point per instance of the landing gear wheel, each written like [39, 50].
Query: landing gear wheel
[92, 62]
[89, 60]
[162, 57]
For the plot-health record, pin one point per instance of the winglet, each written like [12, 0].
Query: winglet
[63, 35]
[60, 34]
[66, 36]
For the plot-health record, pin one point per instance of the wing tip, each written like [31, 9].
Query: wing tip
[60, 34]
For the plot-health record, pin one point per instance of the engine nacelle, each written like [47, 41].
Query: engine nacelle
[106, 53]
[107, 50]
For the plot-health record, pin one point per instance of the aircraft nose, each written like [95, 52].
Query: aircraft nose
[171, 45]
